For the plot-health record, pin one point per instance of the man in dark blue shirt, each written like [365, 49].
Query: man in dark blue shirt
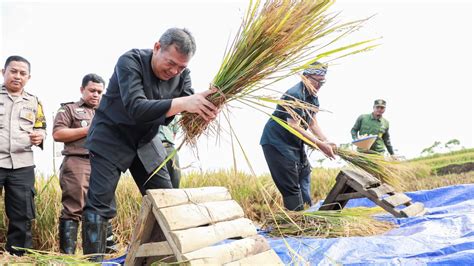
[147, 89]
[284, 152]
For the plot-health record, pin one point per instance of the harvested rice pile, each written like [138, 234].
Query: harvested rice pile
[327, 224]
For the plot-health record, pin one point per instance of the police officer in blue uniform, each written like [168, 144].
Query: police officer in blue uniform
[147, 89]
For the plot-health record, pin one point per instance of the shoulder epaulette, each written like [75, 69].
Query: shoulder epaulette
[63, 104]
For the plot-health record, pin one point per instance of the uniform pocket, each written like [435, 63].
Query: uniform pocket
[30, 203]
[2, 115]
[27, 120]
[81, 119]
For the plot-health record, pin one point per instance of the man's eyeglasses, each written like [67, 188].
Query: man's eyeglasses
[320, 82]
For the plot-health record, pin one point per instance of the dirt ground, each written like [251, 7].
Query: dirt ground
[456, 168]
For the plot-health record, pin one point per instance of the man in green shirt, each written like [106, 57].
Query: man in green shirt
[374, 124]
[167, 135]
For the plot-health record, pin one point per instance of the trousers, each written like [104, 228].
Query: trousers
[19, 191]
[104, 179]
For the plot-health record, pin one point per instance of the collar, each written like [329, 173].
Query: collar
[82, 103]
[23, 94]
[375, 118]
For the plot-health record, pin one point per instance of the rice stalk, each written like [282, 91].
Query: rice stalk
[275, 40]
[48, 207]
[37, 257]
[328, 224]
[391, 172]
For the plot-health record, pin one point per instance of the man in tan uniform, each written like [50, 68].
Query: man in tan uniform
[22, 125]
[71, 126]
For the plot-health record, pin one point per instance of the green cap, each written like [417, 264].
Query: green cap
[380, 102]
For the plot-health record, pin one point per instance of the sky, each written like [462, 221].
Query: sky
[423, 67]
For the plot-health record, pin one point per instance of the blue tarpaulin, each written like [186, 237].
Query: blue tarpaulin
[444, 236]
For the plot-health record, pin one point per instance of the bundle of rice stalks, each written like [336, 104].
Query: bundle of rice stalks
[274, 41]
[36, 257]
[387, 171]
[327, 224]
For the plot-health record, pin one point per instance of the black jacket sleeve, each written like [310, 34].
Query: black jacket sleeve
[130, 81]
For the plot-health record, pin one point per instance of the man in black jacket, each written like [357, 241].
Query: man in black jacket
[147, 89]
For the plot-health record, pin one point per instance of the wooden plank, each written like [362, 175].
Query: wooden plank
[192, 215]
[330, 202]
[229, 252]
[381, 190]
[397, 199]
[141, 233]
[387, 207]
[416, 209]
[161, 222]
[363, 178]
[173, 197]
[348, 196]
[196, 238]
[154, 249]
[268, 257]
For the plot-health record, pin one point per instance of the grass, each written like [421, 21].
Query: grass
[431, 182]
[443, 159]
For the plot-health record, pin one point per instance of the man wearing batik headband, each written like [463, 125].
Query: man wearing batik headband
[284, 152]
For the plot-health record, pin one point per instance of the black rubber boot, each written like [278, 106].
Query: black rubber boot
[68, 236]
[294, 203]
[94, 234]
[111, 245]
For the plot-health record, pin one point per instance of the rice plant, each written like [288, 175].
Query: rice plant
[37, 257]
[387, 171]
[326, 224]
[276, 40]
[48, 207]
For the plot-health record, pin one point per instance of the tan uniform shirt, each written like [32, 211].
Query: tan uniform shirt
[19, 116]
[74, 115]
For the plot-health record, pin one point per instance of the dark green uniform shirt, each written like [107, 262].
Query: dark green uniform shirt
[369, 125]
[167, 133]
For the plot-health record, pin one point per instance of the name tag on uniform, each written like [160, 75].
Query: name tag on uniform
[80, 110]
[27, 114]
